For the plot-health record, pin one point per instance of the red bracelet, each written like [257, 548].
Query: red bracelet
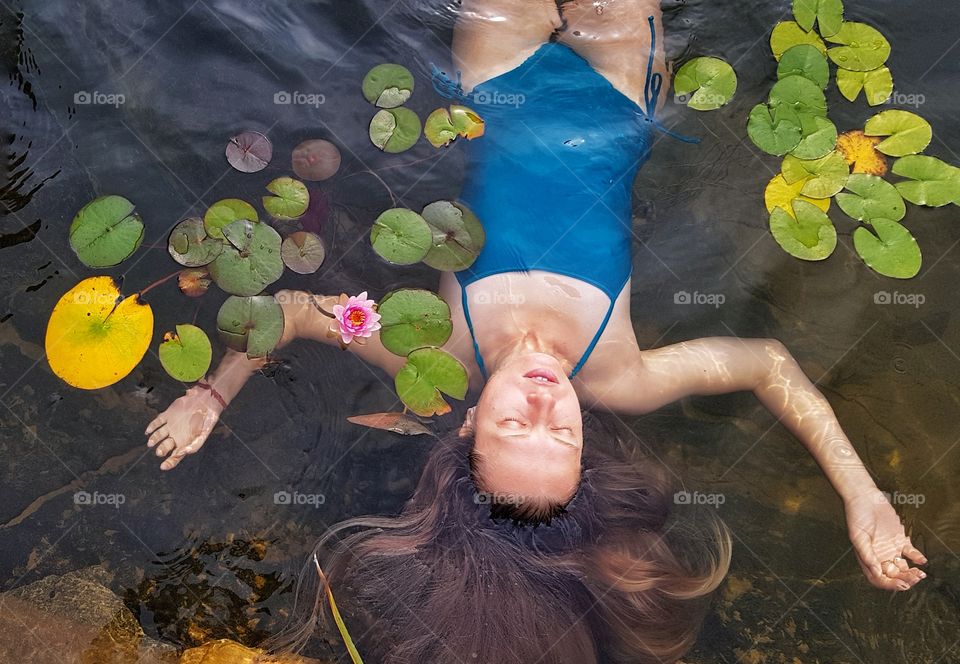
[216, 395]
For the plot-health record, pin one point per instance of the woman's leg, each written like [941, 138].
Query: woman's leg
[494, 36]
[614, 37]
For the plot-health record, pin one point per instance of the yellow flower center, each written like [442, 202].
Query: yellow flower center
[356, 317]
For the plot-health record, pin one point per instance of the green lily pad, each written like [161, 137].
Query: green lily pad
[457, 236]
[877, 84]
[810, 237]
[251, 325]
[466, 121]
[775, 131]
[819, 138]
[290, 200]
[932, 182]
[871, 198]
[190, 245]
[439, 128]
[893, 251]
[302, 252]
[800, 94]
[428, 373]
[412, 318]
[186, 353]
[388, 85]
[401, 236]
[395, 129]
[862, 47]
[705, 83]
[226, 212]
[788, 34]
[827, 13]
[250, 260]
[106, 231]
[807, 61]
[822, 177]
[908, 132]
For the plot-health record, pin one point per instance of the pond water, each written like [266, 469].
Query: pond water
[207, 551]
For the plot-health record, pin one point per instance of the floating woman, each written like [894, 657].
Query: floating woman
[542, 323]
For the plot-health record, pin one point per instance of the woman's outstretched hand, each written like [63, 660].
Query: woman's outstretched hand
[183, 427]
[881, 544]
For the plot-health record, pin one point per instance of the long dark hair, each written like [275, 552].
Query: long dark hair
[611, 578]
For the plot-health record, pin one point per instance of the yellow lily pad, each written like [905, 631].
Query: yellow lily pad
[95, 336]
[781, 194]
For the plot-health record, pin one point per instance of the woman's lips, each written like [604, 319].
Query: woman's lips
[542, 376]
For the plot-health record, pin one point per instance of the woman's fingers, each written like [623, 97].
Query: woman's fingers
[157, 436]
[913, 553]
[863, 545]
[156, 422]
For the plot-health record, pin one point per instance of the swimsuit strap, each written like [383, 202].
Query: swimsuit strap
[473, 337]
[652, 87]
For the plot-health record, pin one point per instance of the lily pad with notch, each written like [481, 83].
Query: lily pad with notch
[819, 138]
[401, 236]
[861, 47]
[457, 236]
[871, 198]
[388, 85]
[788, 34]
[892, 251]
[907, 132]
[290, 198]
[249, 152]
[106, 231]
[799, 94]
[429, 374]
[251, 325]
[781, 194]
[876, 84]
[250, 260]
[395, 129]
[226, 212]
[412, 318]
[705, 83]
[775, 131]
[186, 353]
[821, 178]
[931, 182]
[302, 252]
[827, 14]
[807, 61]
[190, 245]
[810, 235]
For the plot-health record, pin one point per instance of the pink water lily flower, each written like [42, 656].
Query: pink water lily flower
[356, 317]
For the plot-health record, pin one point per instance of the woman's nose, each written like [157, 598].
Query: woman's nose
[541, 399]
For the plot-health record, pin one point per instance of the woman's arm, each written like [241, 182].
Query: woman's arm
[720, 365]
[185, 425]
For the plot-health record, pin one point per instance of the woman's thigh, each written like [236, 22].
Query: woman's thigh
[494, 36]
[614, 37]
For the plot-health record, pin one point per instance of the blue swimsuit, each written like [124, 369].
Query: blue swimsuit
[551, 178]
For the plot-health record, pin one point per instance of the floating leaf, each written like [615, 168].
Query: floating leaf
[439, 129]
[302, 252]
[810, 236]
[396, 422]
[806, 61]
[249, 152]
[709, 82]
[316, 160]
[781, 194]
[820, 178]
[412, 318]
[186, 353]
[194, 282]
[871, 198]
[776, 132]
[799, 94]
[395, 130]
[788, 34]
[401, 236]
[466, 122]
[388, 85]
[458, 236]
[251, 325]
[226, 212]
[95, 336]
[893, 251]
[251, 261]
[861, 153]
[190, 245]
[819, 138]
[908, 132]
[428, 373]
[828, 13]
[932, 182]
[862, 47]
[106, 231]
[878, 84]
[290, 200]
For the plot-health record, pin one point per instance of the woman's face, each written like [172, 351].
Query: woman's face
[528, 430]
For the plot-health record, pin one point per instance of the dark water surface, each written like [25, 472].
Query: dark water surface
[206, 552]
